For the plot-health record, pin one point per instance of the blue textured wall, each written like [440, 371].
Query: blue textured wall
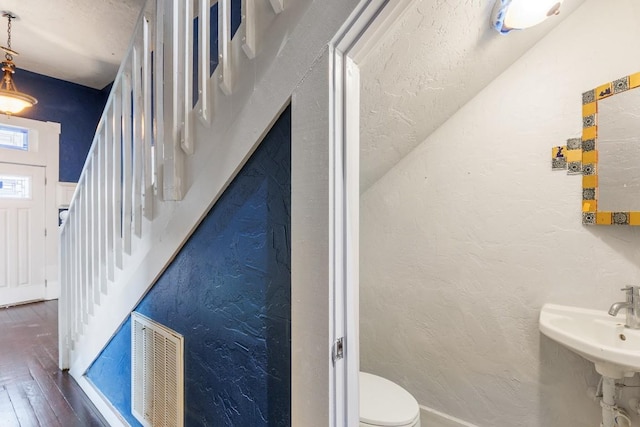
[77, 108]
[228, 292]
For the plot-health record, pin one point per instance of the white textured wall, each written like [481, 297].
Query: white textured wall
[465, 239]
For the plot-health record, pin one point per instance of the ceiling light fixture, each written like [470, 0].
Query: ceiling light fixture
[11, 101]
[520, 14]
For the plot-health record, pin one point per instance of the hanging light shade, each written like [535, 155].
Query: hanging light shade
[12, 101]
[520, 14]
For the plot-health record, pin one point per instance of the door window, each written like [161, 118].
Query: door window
[14, 138]
[15, 187]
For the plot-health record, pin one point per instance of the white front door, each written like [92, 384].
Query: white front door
[22, 233]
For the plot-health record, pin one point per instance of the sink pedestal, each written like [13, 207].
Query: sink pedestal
[608, 402]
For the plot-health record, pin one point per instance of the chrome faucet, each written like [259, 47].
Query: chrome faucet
[632, 304]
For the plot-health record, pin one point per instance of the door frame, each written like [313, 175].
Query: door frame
[361, 32]
[44, 152]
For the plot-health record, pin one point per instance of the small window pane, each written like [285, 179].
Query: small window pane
[14, 137]
[15, 187]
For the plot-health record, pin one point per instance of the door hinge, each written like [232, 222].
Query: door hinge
[45, 232]
[337, 352]
[45, 283]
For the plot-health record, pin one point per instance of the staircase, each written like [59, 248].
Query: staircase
[174, 132]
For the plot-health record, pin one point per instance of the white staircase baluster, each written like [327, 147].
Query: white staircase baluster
[147, 127]
[115, 124]
[158, 100]
[74, 303]
[93, 185]
[173, 155]
[249, 19]
[186, 57]
[204, 41]
[138, 164]
[85, 224]
[77, 227]
[88, 213]
[102, 185]
[127, 161]
[224, 46]
[108, 147]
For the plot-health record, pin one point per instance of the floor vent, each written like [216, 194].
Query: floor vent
[156, 373]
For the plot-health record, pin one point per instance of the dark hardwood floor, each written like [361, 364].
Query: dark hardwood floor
[33, 391]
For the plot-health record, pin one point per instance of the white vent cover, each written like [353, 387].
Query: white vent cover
[157, 380]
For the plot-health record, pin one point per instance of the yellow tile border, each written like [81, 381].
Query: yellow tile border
[604, 91]
[590, 156]
[573, 155]
[589, 133]
[604, 218]
[589, 181]
[589, 206]
[589, 109]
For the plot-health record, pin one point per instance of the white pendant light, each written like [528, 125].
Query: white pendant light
[11, 100]
[520, 14]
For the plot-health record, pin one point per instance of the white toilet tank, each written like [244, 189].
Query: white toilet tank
[385, 403]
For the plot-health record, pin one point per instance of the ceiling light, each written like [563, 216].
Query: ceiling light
[11, 101]
[519, 14]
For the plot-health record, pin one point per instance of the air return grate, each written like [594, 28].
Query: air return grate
[156, 373]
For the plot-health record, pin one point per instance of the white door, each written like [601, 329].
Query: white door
[22, 233]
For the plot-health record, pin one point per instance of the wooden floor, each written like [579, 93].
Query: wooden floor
[33, 391]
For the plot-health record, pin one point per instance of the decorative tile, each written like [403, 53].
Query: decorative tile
[634, 218]
[604, 91]
[589, 157]
[558, 164]
[590, 181]
[589, 109]
[589, 121]
[589, 169]
[588, 194]
[589, 206]
[603, 218]
[589, 97]
[634, 80]
[589, 133]
[620, 218]
[574, 168]
[574, 143]
[621, 85]
[573, 155]
[588, 218]
[558, 159]
[588, 145]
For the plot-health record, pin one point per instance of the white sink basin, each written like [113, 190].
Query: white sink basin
[596, 336]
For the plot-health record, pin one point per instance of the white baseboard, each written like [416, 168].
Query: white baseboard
[110, 414]
[432, 418]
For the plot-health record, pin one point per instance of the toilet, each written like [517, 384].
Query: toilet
[385, 403]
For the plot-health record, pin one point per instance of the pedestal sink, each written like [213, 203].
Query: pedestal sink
[596, 336]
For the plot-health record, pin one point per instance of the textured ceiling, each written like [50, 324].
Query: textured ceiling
[436, 57]
[81, 41]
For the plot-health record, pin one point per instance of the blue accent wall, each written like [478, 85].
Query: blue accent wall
[228, 292]
[77, 108]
